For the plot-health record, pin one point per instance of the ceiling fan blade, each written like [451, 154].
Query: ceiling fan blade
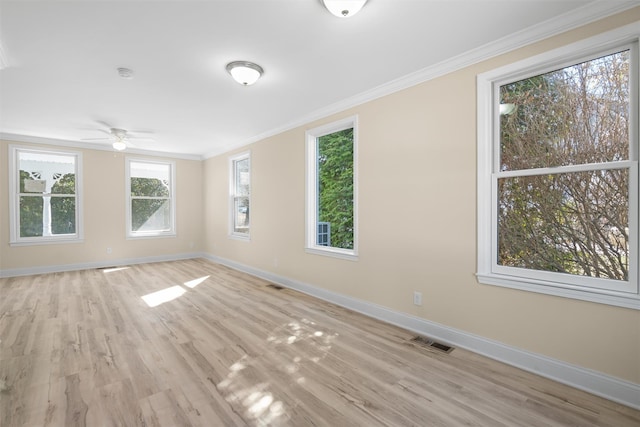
[105, 124]
[96, 139]
[96, 130]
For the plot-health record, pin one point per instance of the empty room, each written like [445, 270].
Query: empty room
[319, 213]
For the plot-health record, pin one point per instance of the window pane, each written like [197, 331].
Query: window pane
[241, 215]
[40, 172]
[31, 216]
[150, 215]
[63, 215]
[149, 187]
[242, 177]
[150, 179]
[335, 187]
[575, 115]
[575, 223]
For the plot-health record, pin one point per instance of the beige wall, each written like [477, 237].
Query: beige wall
[104, 216]
[417, 201]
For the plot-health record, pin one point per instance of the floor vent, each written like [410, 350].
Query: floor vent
[426, 342]
[274, 286]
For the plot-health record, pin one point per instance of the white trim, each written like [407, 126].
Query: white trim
[135, 235]
[88, 146]
[232, 234]
[597, 383]
[626, 294]
[584, 15]
[311, 202]
[28, 271]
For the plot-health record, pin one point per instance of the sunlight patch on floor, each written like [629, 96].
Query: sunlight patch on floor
[195, 282]
[310, 345]
[111, 270]
[154, 299]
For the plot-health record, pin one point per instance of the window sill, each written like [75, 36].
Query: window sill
[150, 236]
[333, 252]
[619, 299]
[241, 237]
[45, 241]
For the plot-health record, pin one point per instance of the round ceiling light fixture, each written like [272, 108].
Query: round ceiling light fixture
[344, 8]
[244, 72]
[125, 73]
[119, 145]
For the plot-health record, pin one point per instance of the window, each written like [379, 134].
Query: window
[558, 174]
[331, 190]
[151, 198]
[239, 195]
[44, 196]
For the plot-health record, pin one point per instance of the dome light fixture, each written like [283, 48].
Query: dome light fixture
[244, 72]
[119, 145]
[344, 8]
[125, 73]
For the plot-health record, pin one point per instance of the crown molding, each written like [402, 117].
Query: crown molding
[10, 137]
[587, 14]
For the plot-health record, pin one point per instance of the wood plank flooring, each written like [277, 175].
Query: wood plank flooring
[193, 343]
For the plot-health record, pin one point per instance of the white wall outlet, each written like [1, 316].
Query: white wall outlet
[417, 298]
[109, 250]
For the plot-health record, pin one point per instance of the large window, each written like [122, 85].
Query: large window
[558, 175]
[151, 198]
[331, 189]
[239, 195]
[44, 196]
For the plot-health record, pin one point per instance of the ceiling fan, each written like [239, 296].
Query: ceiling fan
[120, 138]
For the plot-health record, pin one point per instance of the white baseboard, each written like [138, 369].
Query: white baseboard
[98, 264]
[617, 390]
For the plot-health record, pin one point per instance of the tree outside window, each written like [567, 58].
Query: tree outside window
[558, 173]
[331, 227]
[151, 210]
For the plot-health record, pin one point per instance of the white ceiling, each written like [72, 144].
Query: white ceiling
[60, 80]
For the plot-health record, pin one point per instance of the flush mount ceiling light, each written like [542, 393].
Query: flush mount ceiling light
[244, 72]
[119, 145]
[125, 73]
[344, 8]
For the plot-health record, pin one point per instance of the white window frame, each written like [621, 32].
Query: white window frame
[14, 199]
[131, 234]
[311, 211]
[488, 84]
[233, 160]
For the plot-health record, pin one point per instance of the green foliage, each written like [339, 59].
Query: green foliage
[149, 187]
[30, 211]
[63, 209]
[149, 213]
[335, 186]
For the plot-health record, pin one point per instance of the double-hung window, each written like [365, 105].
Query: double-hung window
[240, 195]
[44, 196]
[558, 173]
[331, 212]
[150, 193]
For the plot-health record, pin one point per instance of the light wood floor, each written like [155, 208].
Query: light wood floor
[85, 348]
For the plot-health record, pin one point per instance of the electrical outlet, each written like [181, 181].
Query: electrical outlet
[417, 298]
[108, 250]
